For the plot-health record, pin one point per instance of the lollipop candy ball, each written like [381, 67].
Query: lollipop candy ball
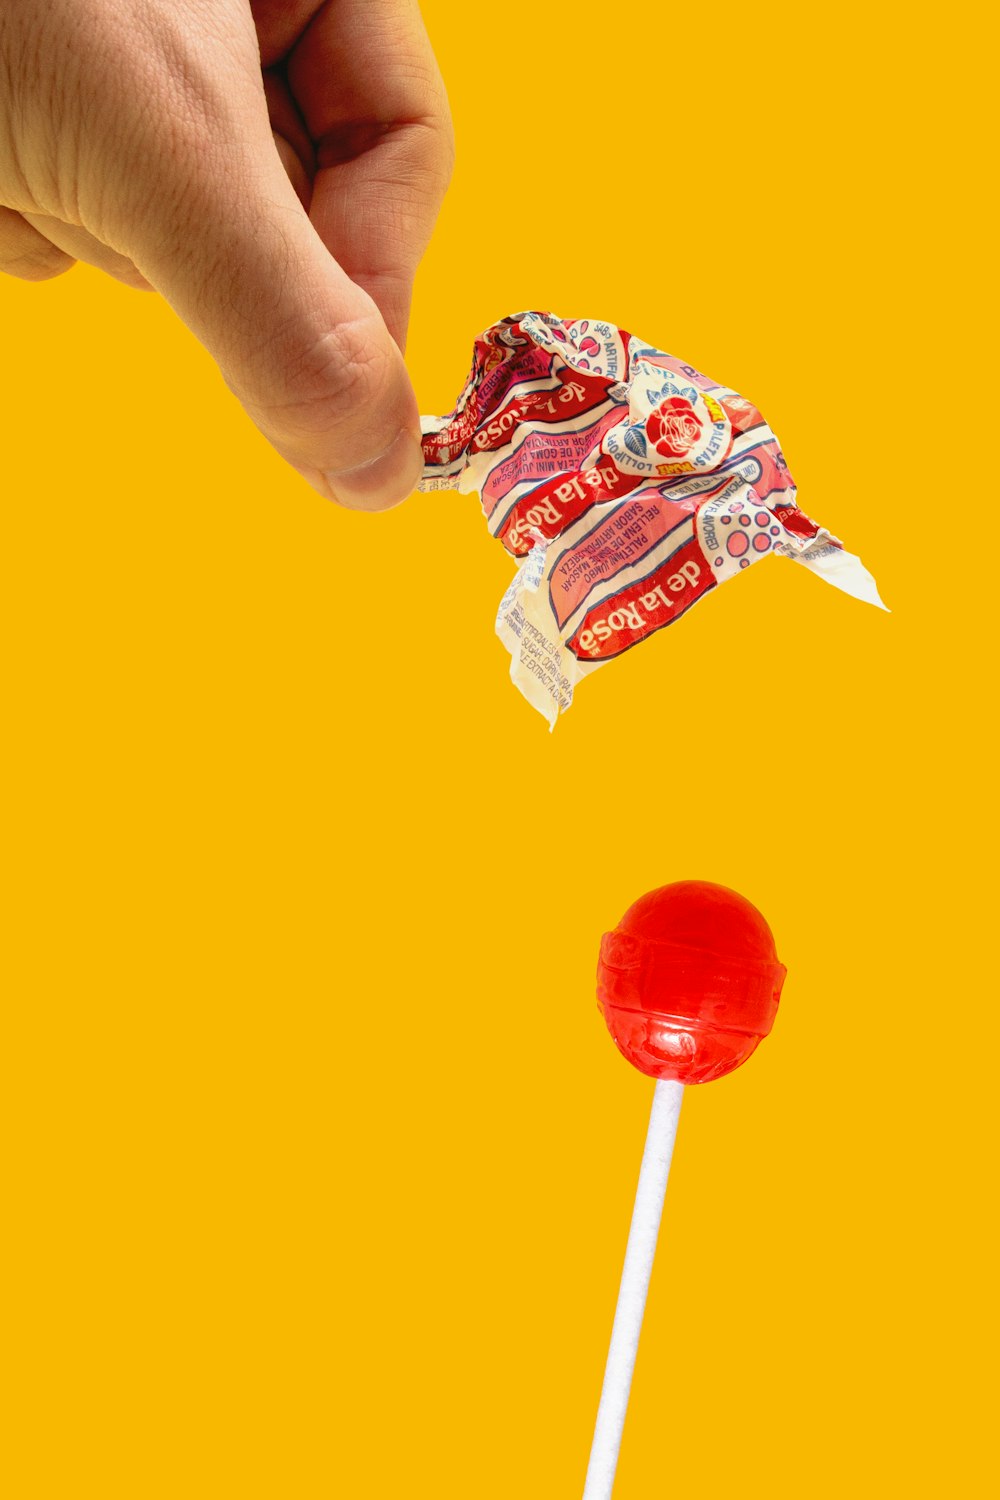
[689, 981]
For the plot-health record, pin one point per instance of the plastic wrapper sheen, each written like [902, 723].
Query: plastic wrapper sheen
[625, 484]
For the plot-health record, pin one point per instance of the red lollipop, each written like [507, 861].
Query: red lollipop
[689, 983]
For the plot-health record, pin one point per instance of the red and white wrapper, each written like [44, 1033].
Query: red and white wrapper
[626, 484]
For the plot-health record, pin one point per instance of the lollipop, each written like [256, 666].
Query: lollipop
[689, 983]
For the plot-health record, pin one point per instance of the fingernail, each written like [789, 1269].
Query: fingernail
[382, 482]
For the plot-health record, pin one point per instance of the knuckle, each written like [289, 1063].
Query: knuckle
[433, 154]
[36, 265]
[335, 377]
[124, 271]
[444, 132]
[331, 384]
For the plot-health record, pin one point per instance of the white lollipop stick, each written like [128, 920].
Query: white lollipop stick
[639, 1254]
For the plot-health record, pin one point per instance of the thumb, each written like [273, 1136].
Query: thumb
[305, 349]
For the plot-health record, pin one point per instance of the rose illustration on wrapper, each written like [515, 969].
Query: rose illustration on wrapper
[674, 427]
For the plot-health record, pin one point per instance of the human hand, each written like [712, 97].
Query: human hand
[136, 135]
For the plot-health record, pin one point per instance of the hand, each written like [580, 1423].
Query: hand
[274, 168]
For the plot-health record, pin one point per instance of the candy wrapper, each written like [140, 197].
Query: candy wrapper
[626, 484]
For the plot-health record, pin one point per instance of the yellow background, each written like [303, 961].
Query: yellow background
[317, 1159]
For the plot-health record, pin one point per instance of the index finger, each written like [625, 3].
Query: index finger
[365, 79]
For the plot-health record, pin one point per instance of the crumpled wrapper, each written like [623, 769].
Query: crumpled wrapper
[627, 486]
